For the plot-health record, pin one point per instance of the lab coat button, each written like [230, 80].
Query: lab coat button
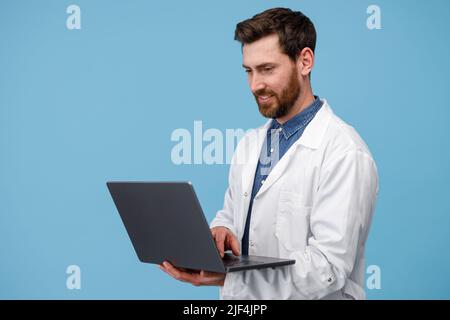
[245, 194]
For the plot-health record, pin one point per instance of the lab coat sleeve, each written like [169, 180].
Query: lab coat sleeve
[339, 220]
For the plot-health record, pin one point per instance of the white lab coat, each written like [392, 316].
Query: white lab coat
[315, 206]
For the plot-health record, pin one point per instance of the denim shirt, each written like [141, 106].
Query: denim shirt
[279, 138]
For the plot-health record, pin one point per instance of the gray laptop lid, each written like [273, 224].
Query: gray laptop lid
[165, 222]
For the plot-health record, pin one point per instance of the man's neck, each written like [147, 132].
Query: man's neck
[301, 104]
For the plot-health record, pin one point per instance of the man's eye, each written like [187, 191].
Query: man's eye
[268, 69]
[248, 71]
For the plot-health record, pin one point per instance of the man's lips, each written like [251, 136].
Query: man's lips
[264, 98]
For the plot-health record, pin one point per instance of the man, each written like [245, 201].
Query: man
[307, 187]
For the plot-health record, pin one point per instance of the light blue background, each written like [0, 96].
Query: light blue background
[80, 107]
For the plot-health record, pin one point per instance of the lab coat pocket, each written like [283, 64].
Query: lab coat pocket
[292, 222]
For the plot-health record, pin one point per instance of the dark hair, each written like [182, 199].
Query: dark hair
[294, 30]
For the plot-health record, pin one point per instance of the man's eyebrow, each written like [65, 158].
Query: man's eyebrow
[260, 66]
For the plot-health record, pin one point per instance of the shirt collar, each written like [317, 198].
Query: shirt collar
[299, 121]
[314, 133]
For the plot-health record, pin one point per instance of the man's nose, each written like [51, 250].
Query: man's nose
[257, 84]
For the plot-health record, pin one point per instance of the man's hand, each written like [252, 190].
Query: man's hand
[225, 240]
[202, 278]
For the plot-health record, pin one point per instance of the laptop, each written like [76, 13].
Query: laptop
[165, 222]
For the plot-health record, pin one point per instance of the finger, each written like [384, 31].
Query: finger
[185, 270]
[210, 278]
[192, 278]
[207, 276]
[220, 239]
[234, 244]
[217, 239]
[171, 270]
[163, 268]
[176, 273]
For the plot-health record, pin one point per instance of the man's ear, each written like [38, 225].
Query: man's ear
[305, 61]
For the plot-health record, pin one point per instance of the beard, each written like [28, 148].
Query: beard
[279, 105]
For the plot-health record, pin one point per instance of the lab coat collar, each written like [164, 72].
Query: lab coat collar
[299, 121]
[312, 138]
[315, 131]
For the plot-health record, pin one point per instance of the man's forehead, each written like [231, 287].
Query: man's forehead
[264, 50]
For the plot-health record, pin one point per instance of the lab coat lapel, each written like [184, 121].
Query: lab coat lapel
[255, 143]
[278, 169]
[311, 138]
